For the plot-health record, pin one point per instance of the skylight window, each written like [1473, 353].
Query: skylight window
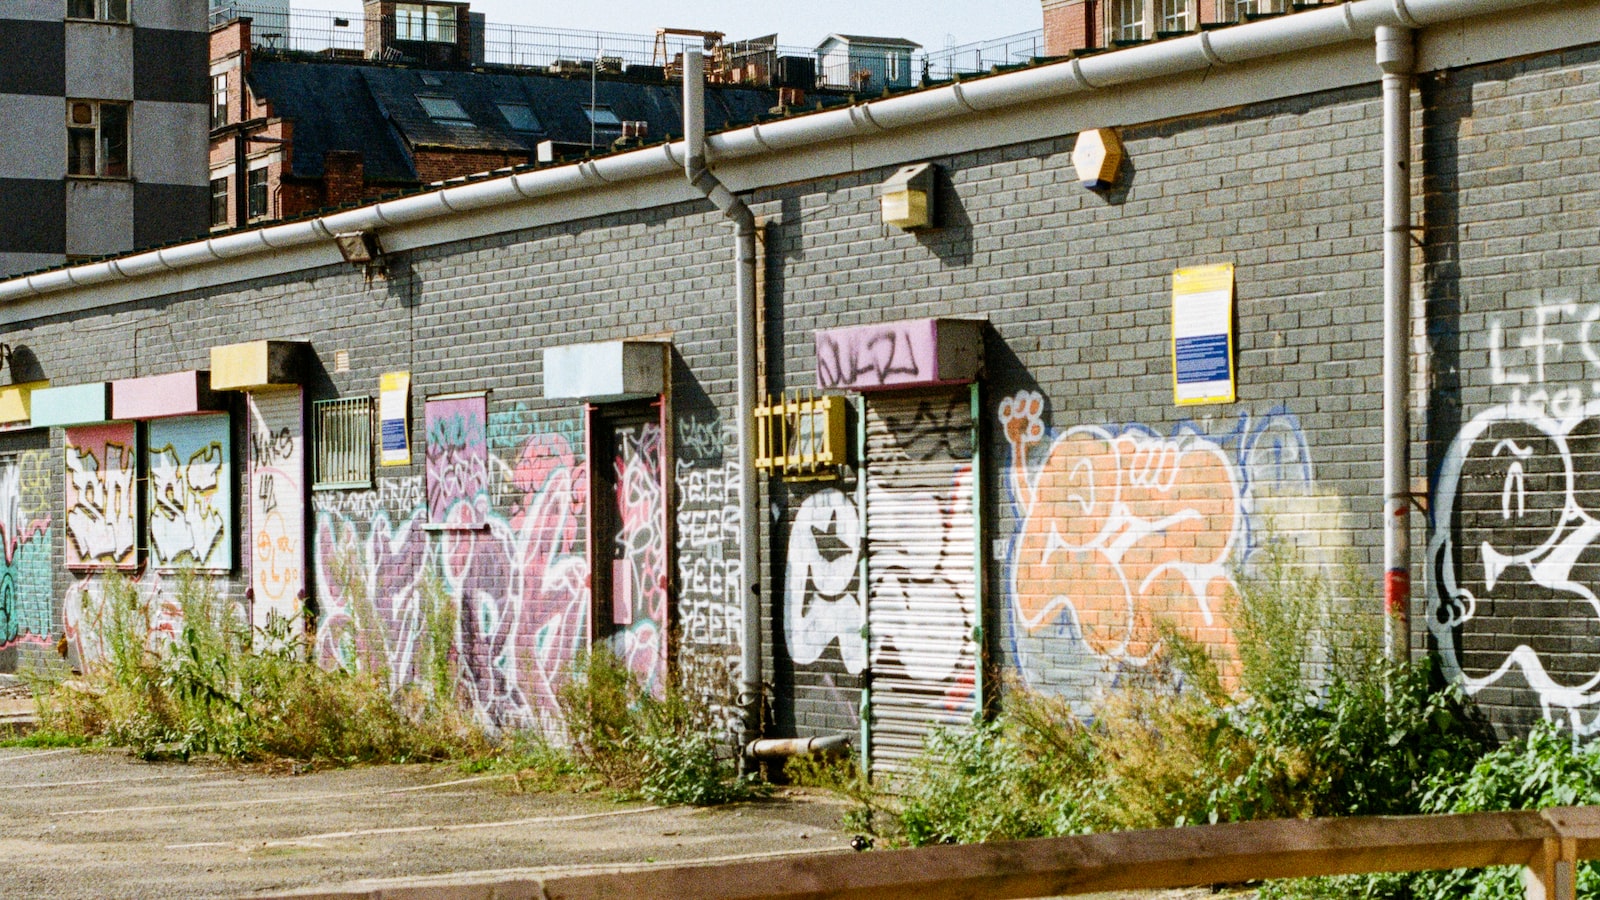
[601, 116]
[444, 110]
[519, 116]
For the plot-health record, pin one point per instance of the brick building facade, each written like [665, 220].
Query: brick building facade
[1035, 521]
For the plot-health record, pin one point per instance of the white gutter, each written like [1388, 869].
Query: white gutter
[1347, 22]
[744, 230]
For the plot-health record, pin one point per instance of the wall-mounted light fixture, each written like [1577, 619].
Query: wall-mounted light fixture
[1097, 156]
[361, 249]
[908, 197]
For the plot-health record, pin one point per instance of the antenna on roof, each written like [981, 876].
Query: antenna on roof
[594, 67]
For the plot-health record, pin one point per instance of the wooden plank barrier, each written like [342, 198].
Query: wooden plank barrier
[1548, 843]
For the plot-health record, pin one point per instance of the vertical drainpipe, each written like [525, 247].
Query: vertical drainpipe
[1396, 58]
[744, 226]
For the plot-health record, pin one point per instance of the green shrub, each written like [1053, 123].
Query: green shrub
[1308, 719]
[1545, 769]
[636, 744]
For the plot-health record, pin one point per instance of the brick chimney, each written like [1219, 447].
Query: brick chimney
[344, 177]
[1068, 26]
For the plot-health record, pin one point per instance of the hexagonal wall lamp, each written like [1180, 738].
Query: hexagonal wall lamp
[1097, 156]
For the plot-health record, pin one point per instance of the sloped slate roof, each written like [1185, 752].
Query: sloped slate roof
[375, 110]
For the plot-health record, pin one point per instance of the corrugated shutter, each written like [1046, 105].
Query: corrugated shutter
[922, 599]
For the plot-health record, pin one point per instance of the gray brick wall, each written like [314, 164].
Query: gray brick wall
[1076, 288]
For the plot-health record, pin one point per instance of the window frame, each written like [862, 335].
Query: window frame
[219, 100]
[425, 23]
[446, 119]
[103, 162]
[595, 111]
[1175, 15]
[258, 178]
[501, 106]
[1129, 20]
[328, 429]
[222, 197]
[114, 11]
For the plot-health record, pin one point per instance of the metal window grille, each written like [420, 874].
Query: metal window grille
[801, 437]
[344, 443]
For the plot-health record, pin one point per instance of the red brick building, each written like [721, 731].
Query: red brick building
[1073, 26]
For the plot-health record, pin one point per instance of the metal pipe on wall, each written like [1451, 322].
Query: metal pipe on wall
[1397, 60]
[744, 225]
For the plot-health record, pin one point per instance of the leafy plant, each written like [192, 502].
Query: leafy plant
[1307, 719]
[637, 744]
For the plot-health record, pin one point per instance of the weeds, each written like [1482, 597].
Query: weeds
[636, 744]
[219, 686]
[1307, 720]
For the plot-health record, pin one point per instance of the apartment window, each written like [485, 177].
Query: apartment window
[444, 110]
[258, 193]
[98, 10]
[219, 100]
[1237, 10]
[343, 443]
[219, 201]
[519, 116]
[1127, 20]
[891, 67]
[1175, 15]
[97, 139]
[425, 22]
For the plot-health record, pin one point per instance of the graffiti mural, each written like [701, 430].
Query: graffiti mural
[519, 584]
[190, 497]
[458, 460]
[877, 355]
[276, 505]
[710, 616]
[25, 577]
[821, 599]
[101, 498]
[1515, 555]
[1122, 528]
[639, 553]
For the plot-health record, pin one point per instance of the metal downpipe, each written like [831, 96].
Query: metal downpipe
[744, 225]
[1397, 60]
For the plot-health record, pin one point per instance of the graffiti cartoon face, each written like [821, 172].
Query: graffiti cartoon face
[1517, 551]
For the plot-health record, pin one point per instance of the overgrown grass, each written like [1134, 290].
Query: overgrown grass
[218, 686]
[635, 744]
[1308, 719]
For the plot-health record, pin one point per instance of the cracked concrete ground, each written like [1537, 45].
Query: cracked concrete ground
[102, 824]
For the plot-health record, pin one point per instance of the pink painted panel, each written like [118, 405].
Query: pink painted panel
[102, 496]
[174, 394]
[902, 354]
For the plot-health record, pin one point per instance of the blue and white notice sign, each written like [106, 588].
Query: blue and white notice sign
[1202, 335]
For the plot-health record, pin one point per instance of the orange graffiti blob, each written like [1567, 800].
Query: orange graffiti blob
[1127, 532]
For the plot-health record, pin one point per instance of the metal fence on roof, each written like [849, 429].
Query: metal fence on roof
[562, 49]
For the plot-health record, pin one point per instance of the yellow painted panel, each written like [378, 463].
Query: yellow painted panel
[239, 366]
[16, 401]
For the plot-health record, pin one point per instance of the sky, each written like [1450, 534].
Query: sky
[935, 24]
